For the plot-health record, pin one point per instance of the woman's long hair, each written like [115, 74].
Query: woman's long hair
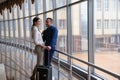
[34, 20]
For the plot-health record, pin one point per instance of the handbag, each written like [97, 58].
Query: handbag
[45, 73]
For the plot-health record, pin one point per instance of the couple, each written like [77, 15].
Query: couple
[45, 50]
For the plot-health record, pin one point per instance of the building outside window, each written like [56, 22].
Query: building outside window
[118, 39]
[49, 4]
[118, 24]
[62, 43]
[105, 24]
[60, 3]
[112, 5]
[119, 6]
[113, 24]
[106, 5]
[98, 24]
[112, 40]
[98, 4]
[62, 24]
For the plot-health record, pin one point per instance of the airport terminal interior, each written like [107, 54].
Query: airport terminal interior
[88, 43]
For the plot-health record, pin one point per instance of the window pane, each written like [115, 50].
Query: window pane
[98, 4]
[107, 39]
[1, 30]
[5, 14]
[98, 24]
[32, 8]
[41, 28]
[49, 4]
[79, 32]
[10, 14]
[105, 24]
[60, 3]
[20, 12]
[50, 14]
[6, 29]
[1, 26]
[26, 8]
[40, 5]
[21, 28]
[16, 28]
[11, 27]
[27, 28]
[106, 5]
[62, 35]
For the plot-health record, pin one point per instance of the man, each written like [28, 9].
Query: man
[50, 38]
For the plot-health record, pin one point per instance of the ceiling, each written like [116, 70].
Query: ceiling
[1, 1]
[9, 4]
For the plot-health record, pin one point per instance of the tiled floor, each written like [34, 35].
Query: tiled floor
[2, 72]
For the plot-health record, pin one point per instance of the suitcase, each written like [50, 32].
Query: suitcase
[45, 73]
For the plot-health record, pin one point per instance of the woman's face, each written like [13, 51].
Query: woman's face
[37, 23]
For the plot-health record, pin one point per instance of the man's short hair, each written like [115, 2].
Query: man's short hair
[50, 19]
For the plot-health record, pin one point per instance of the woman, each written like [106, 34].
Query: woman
[39, 44]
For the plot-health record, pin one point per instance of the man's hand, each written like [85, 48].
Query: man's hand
[48, 48]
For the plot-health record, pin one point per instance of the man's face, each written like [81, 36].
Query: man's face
[48, 23]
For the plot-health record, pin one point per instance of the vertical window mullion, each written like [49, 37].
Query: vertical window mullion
[90, 36]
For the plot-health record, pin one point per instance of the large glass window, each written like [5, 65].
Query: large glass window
[12, 28]
[40, 5]
[6, 29]
[106, 49]
[79, 32]
[20, 12]
[106, 5]
[113, 5]
[27, 28]
[16, 28]
[60, 3]
[26, 8]
[119, 26]
[49, 4]
[41, 28]
[62, 35]
[21, 28]
[50, 14]
[32, 8]
[1, 29]
[118, 6]
[113, 24]
[98, 24]
[1, 26]
[106, 24]
[98, 4]
[62, 24]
